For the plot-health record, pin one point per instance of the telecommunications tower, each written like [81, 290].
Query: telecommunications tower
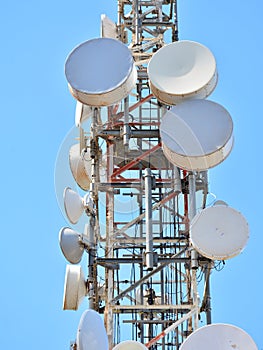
[146, 137]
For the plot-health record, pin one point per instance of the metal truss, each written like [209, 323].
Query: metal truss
[142, 273]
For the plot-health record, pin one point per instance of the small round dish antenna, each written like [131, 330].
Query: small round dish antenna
[75, 205]
[91, 333]
[219, 232]
[71, 245]
[74, 288]
[130, 345]
[182, 70]
[219, 337]
[77, 160]
[197, 134]
[100, 72]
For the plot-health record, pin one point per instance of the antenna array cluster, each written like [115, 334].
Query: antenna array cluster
[147, 137]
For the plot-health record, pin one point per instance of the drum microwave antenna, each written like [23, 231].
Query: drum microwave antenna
[147, 137]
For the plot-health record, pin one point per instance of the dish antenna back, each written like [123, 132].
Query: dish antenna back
[91, 332]
[219, 337]
[130, 345]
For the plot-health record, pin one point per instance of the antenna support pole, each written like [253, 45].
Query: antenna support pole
[148, 216]
[194, 254]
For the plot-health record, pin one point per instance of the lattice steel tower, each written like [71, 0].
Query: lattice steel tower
[145, 274]
[162, 285]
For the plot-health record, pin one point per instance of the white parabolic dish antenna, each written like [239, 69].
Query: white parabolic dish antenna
[197, 135]
[91, 332]
[100, 72]
[130, 345]
[219, 232]
[80, 166]
[71, 245]
[74, 288]
[219, 337]
[73, 204]
[182, 70]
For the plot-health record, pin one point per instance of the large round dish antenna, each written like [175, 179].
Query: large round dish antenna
[100, 72]
[130, 345]
[74, 288]
[91, 332]
[197, 135]
[219, 337]
[219, 232]
[182, 70]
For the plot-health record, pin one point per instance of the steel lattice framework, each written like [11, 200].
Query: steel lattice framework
[143, 227]
[142, 273]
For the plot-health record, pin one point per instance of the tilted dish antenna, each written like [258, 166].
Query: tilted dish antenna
[75, 205]
[197, 134]
[100, 72]
[72, 244]
[219, 232]
[219, 337]
[80, 166]
[91, 333]
[75, 287]
[182, 70]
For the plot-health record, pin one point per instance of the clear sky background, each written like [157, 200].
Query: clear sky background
[37, 111]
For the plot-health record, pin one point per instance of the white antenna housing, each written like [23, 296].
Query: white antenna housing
[74, 288]
[100, 72]
[73, 204]
[182, 70]
[108, 27]
[91, 332]
[71, 245]
[219, 337]
[197, 135]
[77, 161]
[130, 345]
[219, 232]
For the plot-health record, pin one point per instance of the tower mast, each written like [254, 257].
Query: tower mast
[162, 286]
[149, 264]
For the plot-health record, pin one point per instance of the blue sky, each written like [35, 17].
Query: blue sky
[37, 111]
